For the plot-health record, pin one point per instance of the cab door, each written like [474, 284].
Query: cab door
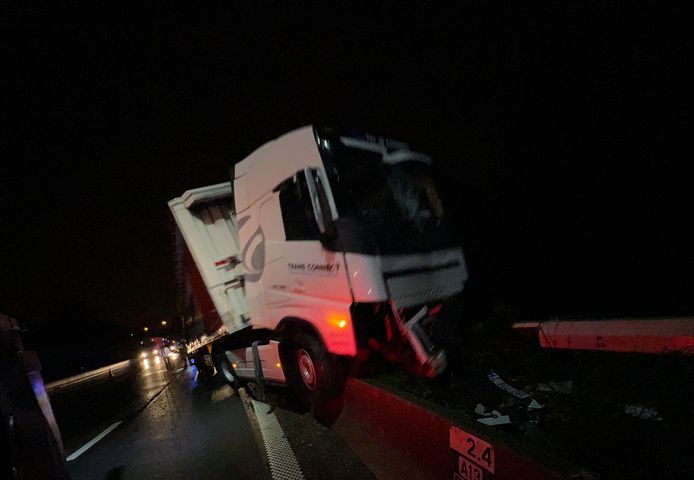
[300, 271]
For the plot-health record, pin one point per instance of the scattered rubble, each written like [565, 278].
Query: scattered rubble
[584, 474]
[481, 410]
[499, 382]
[562, 387]
[565, 387]
[642, 412]
[491, 418]
[571, 409]
[496, 419]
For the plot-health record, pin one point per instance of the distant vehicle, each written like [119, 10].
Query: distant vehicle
[324, 248]
[149, 356]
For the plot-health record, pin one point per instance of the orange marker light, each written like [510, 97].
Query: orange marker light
[278, 365]
[233, 365]
[337, 320]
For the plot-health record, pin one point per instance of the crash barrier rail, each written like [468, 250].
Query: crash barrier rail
[409, 440]
[90, 375]
[638, 335]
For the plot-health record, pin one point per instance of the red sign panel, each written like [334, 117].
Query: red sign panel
[476, 455]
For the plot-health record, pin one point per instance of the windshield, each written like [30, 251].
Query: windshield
[370, 189]
[396, 201]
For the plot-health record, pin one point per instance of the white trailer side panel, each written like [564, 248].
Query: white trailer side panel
[204, 217]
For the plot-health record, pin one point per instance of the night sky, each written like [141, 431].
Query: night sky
[562, 144]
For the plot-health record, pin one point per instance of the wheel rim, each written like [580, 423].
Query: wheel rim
[225, 368]
[226, 371]
[307, 370]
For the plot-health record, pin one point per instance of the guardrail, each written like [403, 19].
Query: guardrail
[90, 375]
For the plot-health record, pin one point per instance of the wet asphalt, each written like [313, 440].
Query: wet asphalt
[188, 430]
[176, 427]
[87, 408]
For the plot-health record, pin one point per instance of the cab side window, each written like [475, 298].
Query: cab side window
[297, 212]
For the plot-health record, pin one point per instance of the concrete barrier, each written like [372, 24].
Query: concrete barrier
[86, 376]
[400, 438]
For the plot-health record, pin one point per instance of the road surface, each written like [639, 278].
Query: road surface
[152, 423]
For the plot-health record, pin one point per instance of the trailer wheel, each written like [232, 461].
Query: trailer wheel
[317, 376]
[228, 374]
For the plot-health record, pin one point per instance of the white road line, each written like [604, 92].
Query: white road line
[280, 456]
[283, 463]
[92, 442]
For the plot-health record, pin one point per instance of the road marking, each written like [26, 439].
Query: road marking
[100, 436]
[280, 456]
[92, 442]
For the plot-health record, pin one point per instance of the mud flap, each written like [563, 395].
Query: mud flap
[259, 376]
[209, 361]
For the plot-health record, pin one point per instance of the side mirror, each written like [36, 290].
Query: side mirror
[321, 205]
[329, 232]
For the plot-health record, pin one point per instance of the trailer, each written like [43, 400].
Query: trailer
[323, 249]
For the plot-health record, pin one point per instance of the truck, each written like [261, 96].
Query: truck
[325, 248]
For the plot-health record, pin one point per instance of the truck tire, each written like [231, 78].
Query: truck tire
[317, 376]
[228, 374]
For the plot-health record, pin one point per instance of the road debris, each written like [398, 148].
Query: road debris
[642, 412]
[481, 410]
[562, 387]
[499, 382]
[565, 387]
[496, 419]
[584, 474]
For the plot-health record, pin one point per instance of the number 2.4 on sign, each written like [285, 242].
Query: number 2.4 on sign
[485, 459]
[475, 450]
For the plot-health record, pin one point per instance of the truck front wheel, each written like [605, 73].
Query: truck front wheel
[317, 376]
[225, 368]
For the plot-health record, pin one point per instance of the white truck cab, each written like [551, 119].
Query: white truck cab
[327, 244]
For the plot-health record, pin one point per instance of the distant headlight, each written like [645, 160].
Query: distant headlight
[155, 352]
[143, 354]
